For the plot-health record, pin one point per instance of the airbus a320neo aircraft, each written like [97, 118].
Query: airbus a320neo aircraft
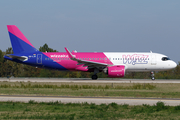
[115, 64]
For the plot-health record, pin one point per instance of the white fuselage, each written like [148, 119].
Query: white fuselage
[141, 61]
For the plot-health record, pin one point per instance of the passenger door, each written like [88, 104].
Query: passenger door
[39, 58]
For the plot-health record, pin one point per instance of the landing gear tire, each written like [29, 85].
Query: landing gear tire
[152, 75]
[94, 77]
[153, 78]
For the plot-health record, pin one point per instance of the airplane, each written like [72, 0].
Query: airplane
[114, 64]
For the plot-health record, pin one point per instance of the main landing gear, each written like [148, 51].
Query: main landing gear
[95, 77]
[152, 75]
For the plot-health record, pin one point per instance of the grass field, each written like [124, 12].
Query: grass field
[71, 111]
[154, 90]
[81, 111]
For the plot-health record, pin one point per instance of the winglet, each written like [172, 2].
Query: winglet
[69, 54]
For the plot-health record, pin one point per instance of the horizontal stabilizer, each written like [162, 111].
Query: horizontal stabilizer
[22, 58]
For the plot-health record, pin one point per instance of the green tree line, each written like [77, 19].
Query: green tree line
[9, 68]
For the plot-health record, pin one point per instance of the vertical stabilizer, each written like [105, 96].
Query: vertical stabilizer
[18, 41]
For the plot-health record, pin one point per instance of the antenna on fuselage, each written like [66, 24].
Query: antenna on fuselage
[150, 51]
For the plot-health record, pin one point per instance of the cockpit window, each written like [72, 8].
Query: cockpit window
[165, 58]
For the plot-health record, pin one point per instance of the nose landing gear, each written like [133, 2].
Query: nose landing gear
[152, 75]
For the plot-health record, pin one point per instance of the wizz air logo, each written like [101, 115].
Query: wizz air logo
[59, 56]
[135, 59]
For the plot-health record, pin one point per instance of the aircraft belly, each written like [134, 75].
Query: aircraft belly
[138, 67]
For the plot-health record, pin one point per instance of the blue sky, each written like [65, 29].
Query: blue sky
[95, 25]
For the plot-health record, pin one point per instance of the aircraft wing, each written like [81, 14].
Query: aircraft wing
[89, 64]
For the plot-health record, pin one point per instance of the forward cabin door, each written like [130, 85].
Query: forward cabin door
[153, 59]
[39, 58]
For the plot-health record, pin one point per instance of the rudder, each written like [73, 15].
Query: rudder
[18, 41]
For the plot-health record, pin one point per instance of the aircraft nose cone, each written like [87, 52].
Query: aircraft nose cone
[173, 65]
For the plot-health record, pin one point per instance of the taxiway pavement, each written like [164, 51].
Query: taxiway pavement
[96, 100]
